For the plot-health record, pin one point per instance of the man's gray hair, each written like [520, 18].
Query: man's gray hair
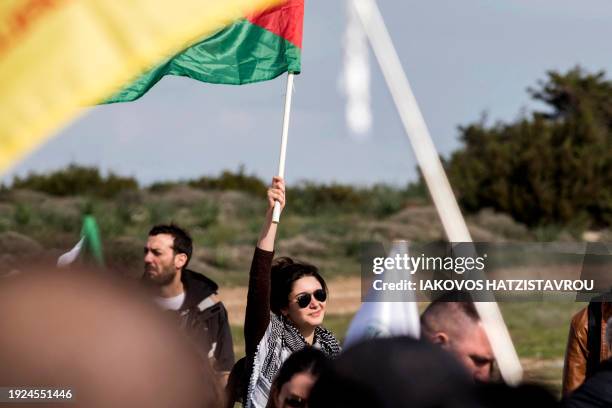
[609, 333]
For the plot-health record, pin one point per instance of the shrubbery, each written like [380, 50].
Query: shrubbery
[309, 198]
[232, 181]
[379, 200]
[553, 168]
[76, 180]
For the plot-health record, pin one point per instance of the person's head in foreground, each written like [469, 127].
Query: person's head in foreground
[110, 346]
[456, 327]
[166, 253]
[393, 372]
[292, 385]
[299, 293]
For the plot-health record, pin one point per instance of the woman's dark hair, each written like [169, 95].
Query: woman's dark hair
[285, 271]
[307, 360]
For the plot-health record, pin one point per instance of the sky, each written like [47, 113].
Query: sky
[462, 58]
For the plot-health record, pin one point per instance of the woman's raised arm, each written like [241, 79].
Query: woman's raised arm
[257, 316]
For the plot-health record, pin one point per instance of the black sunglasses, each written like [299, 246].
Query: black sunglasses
[304, 299]
[295, 402]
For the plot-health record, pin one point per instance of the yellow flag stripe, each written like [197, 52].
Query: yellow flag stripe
[57, 56]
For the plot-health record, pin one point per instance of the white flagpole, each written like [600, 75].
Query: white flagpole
[355, 79]
[434, 175]
[283, 150]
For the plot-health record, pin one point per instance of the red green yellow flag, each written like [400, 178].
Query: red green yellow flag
[57, 56]
[258, 47]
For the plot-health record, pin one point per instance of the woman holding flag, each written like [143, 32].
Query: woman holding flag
[285, 309]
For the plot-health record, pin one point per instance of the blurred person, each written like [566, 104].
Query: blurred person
[400, 372]
[292, 385]
[285, 309]
[100, 339]
[596, 391]
[393, 372]
[192, 296]
[586, 345]
[500, 395]
[456, 327]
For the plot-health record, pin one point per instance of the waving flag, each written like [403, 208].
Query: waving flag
[57, 56]
[89, 246]
[256, 48]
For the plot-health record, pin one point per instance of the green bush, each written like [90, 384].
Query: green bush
[309, 198]
[164, 186]
[76, 180]
[379, 200]
[205, 213]
[160, 212]
[23, 215]
[232, 181]
[554, 167]
[58, 220]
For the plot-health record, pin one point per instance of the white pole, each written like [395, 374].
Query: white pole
[434, 175]
[283, 150]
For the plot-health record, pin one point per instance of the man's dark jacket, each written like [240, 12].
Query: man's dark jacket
[205, 320]
[596, 391]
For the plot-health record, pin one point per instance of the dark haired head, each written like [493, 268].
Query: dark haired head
[393, 372]
[285, 271]
[307, 360]
[182, 241]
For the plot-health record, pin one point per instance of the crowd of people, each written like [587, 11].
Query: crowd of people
[111, 342]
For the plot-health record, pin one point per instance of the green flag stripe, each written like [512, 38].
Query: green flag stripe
[93, 243]
[240, 54]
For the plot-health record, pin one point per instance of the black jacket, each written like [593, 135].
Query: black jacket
[205, 320]
[596, 391]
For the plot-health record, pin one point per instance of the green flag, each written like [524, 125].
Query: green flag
[88, 247]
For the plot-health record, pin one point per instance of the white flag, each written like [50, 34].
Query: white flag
[90, 245]
[377, 318]
[355, 80]
[70, 256]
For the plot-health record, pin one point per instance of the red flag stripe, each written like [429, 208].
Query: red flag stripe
[284, 20]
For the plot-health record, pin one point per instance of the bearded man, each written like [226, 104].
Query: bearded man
[190, 295]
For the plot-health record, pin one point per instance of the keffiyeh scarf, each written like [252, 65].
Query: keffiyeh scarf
[280, 340]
